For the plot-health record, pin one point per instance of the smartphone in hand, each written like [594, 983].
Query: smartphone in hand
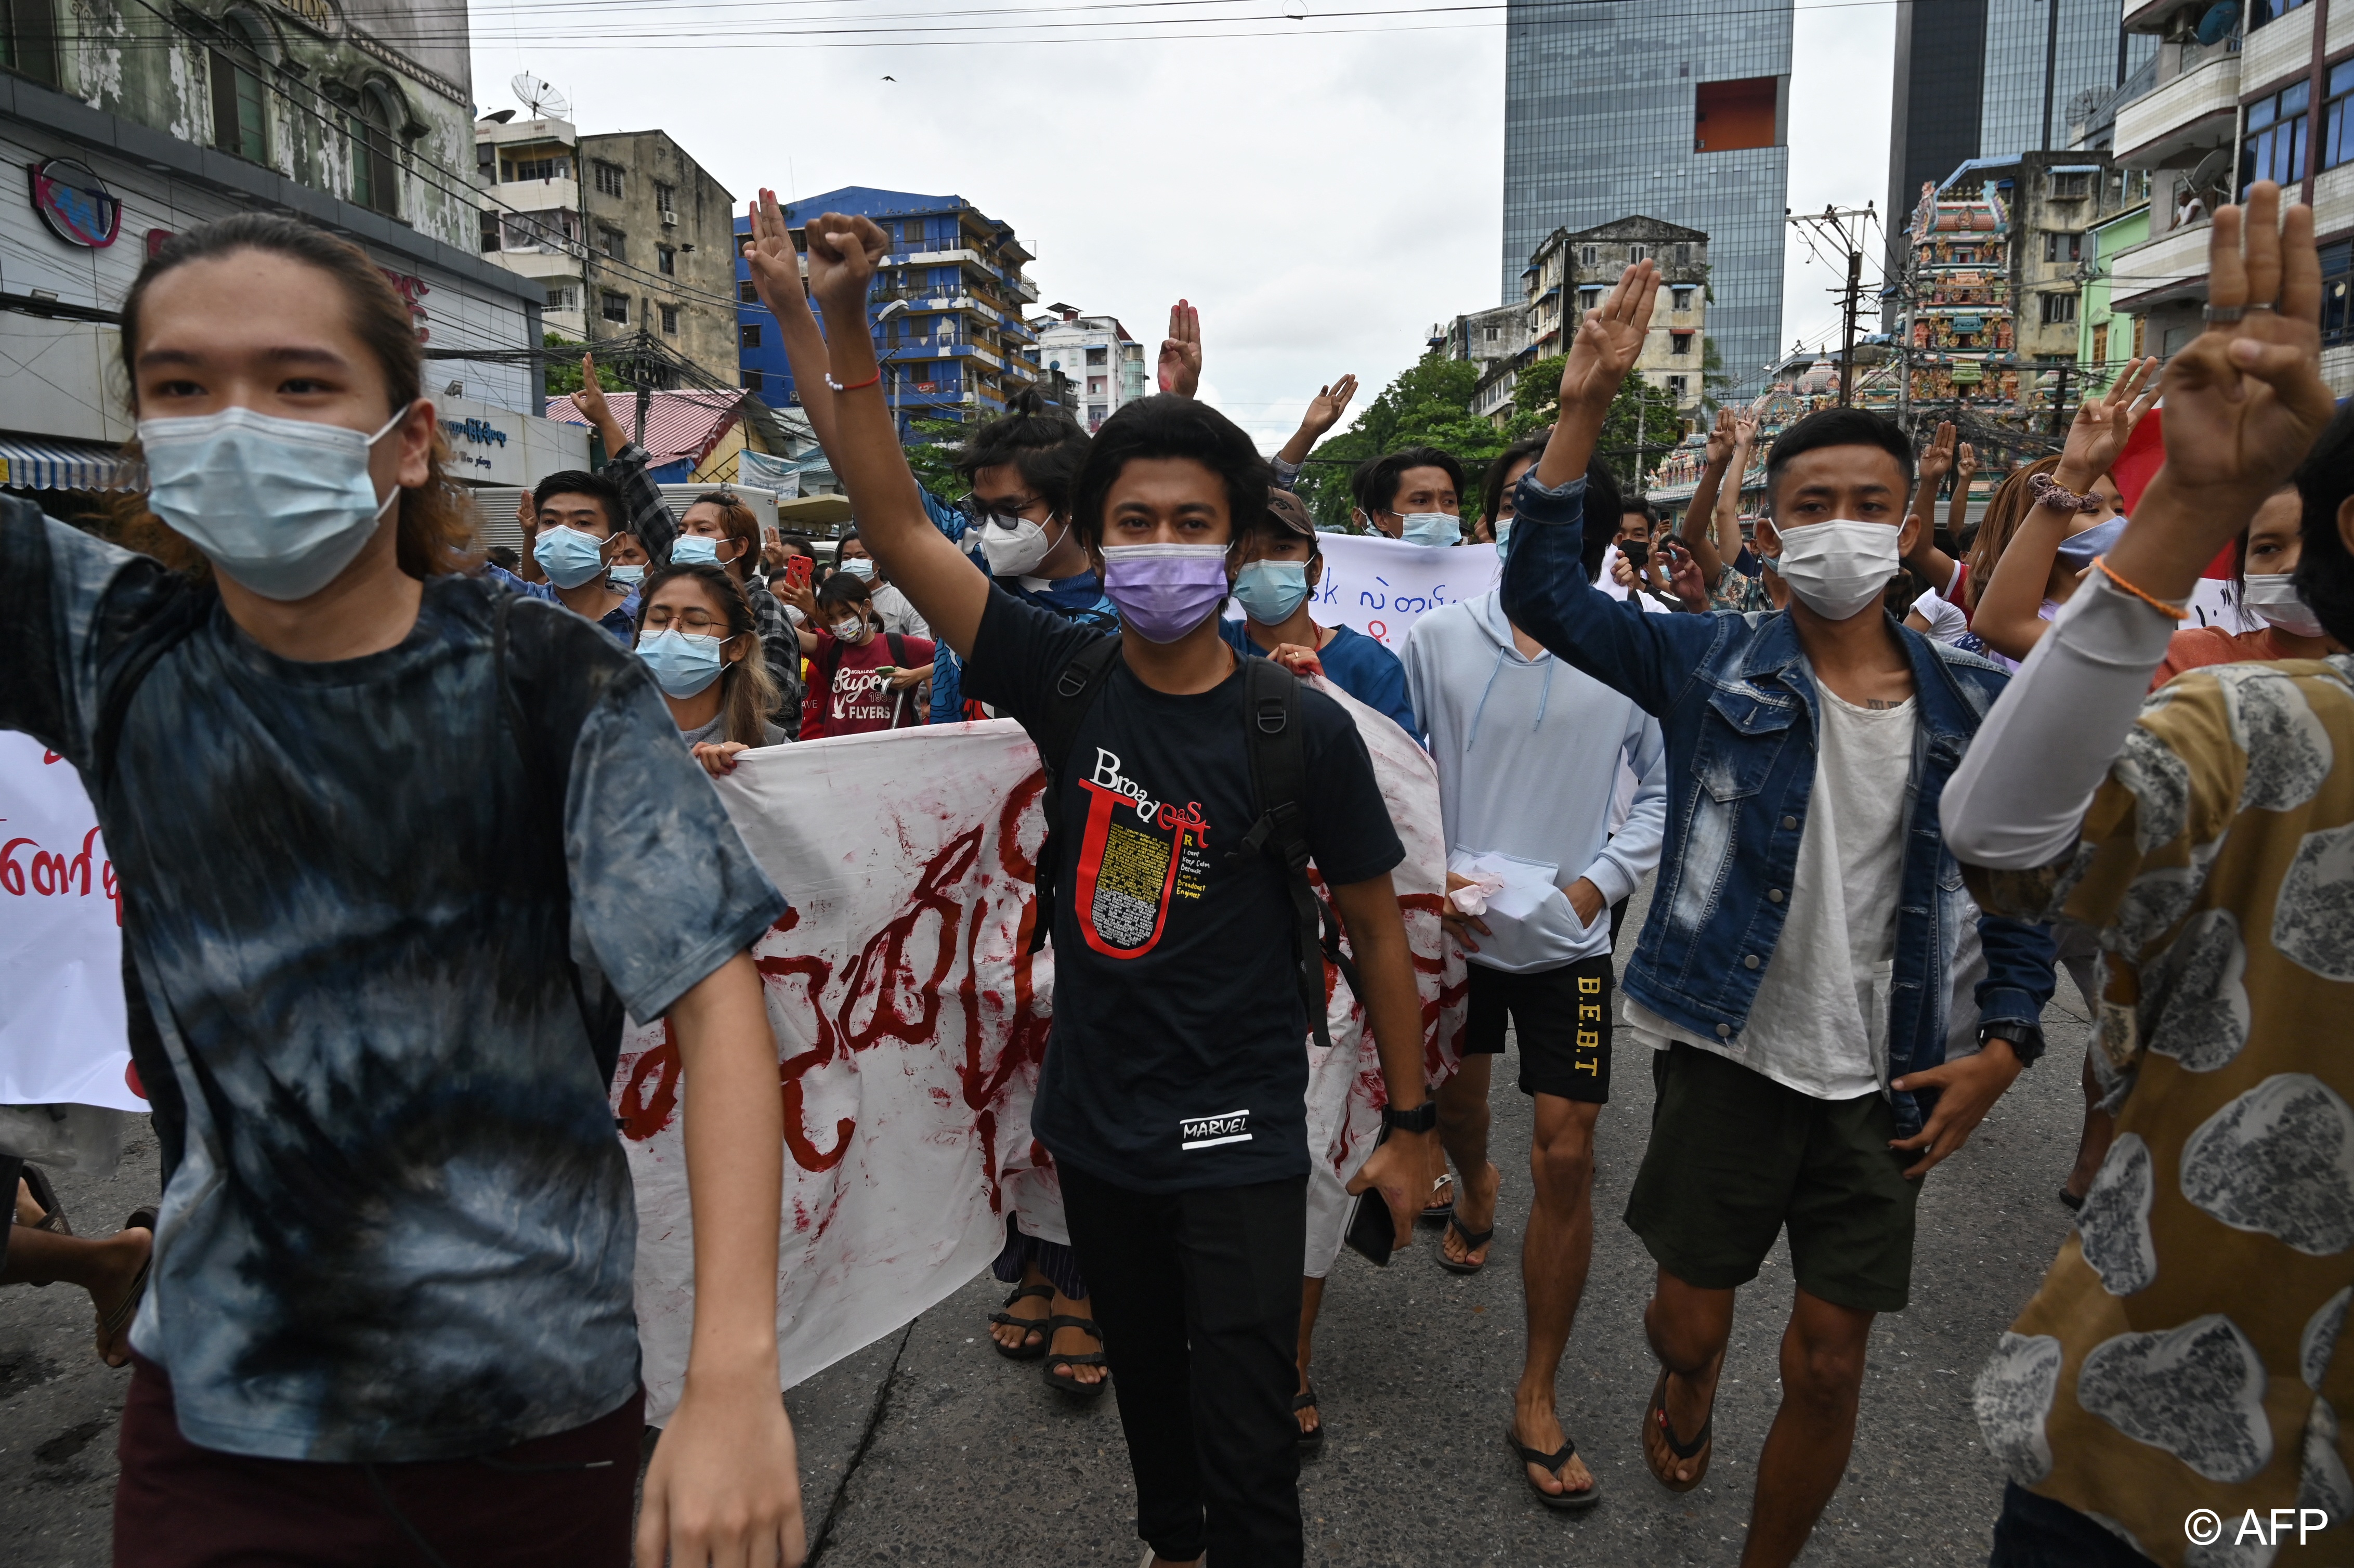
[797, 571]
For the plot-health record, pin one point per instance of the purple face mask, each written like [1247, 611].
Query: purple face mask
[1164, 591]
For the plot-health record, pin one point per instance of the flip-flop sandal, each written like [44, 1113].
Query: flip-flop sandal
[1309, 1441]
[53, 1214]
[112, 1323]
[1435, 1213]
[1025, 1351]
[1560, 1503]
[2069, 1200]
[1072, 1387]
[1473, 1242]
[1700, 1446]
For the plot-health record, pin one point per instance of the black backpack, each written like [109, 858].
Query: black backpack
[1279, 768]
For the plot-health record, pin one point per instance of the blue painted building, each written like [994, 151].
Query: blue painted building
[945, 309]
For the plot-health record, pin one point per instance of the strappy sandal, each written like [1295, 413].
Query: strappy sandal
[1473, 1242]
[1435, 1213]
[1311, 1440]
[44, 1196]
[1560, 1503]
[1655, 1423]
[1071, 1386]
[110, 1324]
[1025, 1351]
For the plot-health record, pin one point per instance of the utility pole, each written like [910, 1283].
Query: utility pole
[1845, 229]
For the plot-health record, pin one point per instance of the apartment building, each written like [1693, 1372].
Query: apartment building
[945, 309]
[1495, 340]
[1568, 273]
[1100, 366]
[626, 234]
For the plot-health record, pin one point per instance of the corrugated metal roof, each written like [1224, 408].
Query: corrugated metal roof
[679, 425]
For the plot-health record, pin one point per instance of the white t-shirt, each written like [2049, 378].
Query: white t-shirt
[1947, 621]
[1608, 583]
[1819, 1024]
[897, 614]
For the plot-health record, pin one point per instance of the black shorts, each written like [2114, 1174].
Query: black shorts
[1561, 1018]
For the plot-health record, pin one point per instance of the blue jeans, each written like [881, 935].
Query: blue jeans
[2036, 1533]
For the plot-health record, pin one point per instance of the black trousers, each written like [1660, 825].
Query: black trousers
[1198, 1297]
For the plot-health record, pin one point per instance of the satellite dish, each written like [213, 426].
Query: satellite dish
[2208, 175]
[2217, 24]
[540, 98]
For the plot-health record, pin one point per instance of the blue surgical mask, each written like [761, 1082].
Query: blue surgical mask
[859, 566]
[683, 662]
[694, 549]
[2080, 550]
[1503, 537]
[568, 556]
[280, 505]
[1271, 591]
[1438, 528]
[627, 577]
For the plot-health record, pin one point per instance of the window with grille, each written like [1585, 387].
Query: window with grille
[1680, 342]
[611, 241]
[1680, 299]
[1676, 384]
[564, 296]
[752, 382]
[2059, 309]
[749, 335]
[490, 231]
[665, 199]
[550, 168]
[2074, 183]
[615, 307]
[746, 292]
[670, 320]
[608, 178]
[2060, 246]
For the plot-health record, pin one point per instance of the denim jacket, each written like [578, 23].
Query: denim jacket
[1736, 699]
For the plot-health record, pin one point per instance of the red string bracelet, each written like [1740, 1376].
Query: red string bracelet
[855, 386]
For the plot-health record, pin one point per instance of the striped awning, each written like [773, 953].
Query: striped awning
[680, 425]
[26, 464]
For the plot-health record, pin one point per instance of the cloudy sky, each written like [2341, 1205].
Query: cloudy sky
[1324, 190]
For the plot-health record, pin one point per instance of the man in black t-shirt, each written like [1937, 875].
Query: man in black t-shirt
[1172, 1094]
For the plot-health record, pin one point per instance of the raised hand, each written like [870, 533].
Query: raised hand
[1965, 465]
[591, 398]
[1721, 442]
[1181, 351]
[1324, 409]
[1610, 339]
[1936, 461]
[776, 265]
[2245, 400]
[843, 252]
[2101, 425]
[1745, 431]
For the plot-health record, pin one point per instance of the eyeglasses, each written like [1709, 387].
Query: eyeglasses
[1005, 510]
[662, 618]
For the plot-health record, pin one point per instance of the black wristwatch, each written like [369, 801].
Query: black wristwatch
[1422, 1119]
[2026, 1043]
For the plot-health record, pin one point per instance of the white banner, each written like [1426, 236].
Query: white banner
[1381, 587]
[910, 1022]
[62, 1035]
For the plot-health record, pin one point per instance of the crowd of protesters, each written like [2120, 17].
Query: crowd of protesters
[404, 831]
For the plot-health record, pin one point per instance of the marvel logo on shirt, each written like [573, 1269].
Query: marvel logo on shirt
[1176, 983]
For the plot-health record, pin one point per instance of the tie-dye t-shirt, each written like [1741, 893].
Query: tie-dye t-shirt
[2182, 1352]
[400, 1226]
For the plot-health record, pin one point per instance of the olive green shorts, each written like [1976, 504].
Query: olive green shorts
[1734, 1157]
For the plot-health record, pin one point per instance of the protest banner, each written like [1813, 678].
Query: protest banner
[1381, 586]
[63, 1038]
[911, 1019]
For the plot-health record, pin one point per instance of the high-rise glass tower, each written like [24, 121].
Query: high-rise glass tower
[1676, 110]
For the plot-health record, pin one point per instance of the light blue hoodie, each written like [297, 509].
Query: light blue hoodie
[1530, 753]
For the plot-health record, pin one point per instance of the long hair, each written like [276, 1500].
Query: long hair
[436, 524]
[743, 525]
[2011, 503]
[747, 695]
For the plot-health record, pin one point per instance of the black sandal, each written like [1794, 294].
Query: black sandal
[53, 1214]
[1700, 1447]
[1473, 1242]
[1435, 1213]
[1070, 1386]
[1309, 1441]
[1560, 1503]
[1025, 1351]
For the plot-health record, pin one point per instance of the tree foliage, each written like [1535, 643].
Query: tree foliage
[1643, 425]
[931, 453]
[564, 375]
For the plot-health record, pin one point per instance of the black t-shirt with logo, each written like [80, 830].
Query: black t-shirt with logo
[1178, 1053]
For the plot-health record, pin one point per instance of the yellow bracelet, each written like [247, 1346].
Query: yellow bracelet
[2176, 610]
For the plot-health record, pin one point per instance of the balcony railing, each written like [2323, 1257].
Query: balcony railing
[2169, 117]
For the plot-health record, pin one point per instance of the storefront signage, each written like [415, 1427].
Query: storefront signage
[76, 204]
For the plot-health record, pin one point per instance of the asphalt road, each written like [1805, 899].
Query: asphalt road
[928, 1448]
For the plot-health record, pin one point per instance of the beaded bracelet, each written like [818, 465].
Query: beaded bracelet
[855, 386]
[2047, 492]
[2110, 572]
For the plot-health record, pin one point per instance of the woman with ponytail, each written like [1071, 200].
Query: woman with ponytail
[697, 634]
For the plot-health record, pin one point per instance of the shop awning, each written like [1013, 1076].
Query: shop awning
[681, 426]
[26, 464]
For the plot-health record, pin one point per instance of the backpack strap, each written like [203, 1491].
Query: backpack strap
[1279, 766]
[601, 1019]
[898, 647]
[1055, 733]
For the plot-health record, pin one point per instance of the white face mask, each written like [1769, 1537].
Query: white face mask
[1014, 547]
[282, 505]
[1839, 567]
[859, 566]
[848, 630]
[2273, 596]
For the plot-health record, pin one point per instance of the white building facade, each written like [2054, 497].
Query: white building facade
[1103, 365]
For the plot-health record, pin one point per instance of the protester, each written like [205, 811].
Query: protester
[891, 606]
[38, 1247]
[2265, 559]
[720, 529]
[1941, 610]
[1530, 753]
[1790, 1071]
[1179, 1010]
[862, 678]
[1323, 412]
[2077, 516]
[504, 557]
[571, 526]
[2181, 1355]
[1711, 526]
[1412, 494]
[391, 1177]
[630, 564]
[1281, 565]
[697, 634]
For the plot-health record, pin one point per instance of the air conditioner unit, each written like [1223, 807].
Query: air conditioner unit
[670, 219]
